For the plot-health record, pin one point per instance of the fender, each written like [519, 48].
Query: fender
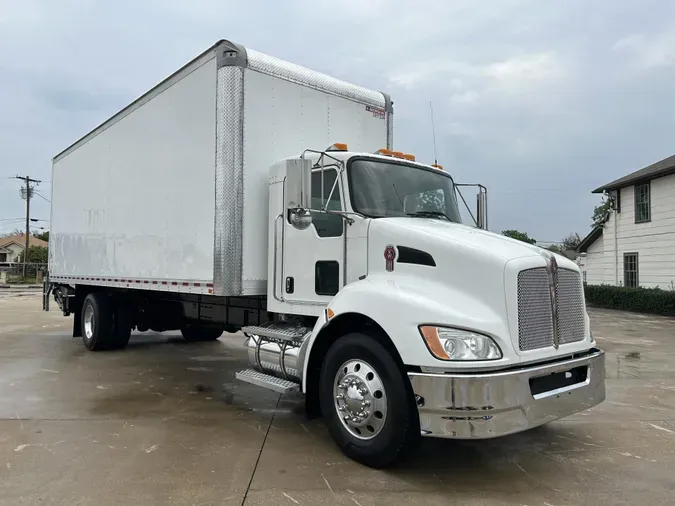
[399, 304]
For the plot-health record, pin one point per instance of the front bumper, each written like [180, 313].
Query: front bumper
[492, 404]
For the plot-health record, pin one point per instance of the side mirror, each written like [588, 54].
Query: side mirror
[298, 192]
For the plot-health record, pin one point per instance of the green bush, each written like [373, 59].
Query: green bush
[643, 300]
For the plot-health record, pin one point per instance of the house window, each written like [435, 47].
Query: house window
[630, 270]
[642, 207]
[617, 201]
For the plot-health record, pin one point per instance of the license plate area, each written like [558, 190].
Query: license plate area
[550, 383]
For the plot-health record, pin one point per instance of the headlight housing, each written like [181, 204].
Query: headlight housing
[455, 344]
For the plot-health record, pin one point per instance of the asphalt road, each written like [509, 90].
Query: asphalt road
[164, 422]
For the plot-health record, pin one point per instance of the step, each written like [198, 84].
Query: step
[278, 330]
[263, 380]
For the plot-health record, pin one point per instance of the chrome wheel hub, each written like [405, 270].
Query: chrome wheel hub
[88, 322]
[360, 399]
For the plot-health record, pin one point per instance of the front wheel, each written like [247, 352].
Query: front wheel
[365, 400]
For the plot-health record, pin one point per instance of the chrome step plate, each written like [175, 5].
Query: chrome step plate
[278, 330]
[263, 380]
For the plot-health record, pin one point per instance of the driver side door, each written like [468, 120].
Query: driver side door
[313, 264]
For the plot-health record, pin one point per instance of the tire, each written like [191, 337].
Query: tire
[388, 427]
[97, 322]
[122, 326]
[195, 333]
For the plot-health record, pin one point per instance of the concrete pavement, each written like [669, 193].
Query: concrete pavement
[164, 422]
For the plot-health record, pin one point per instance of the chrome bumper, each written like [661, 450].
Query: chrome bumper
[492, 404]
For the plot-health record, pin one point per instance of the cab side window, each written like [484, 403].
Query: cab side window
[326, 225]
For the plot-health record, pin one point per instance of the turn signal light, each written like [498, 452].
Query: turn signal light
[433, 341]
[395, 154]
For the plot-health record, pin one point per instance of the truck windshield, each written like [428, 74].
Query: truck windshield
[382, 189]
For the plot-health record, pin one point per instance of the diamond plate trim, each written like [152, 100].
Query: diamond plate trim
[390, 130]
[295, 73]
[266, 381]
[282, 331]
[229, 182]
[535, 318]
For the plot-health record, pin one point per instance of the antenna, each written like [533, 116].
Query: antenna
[433, 131]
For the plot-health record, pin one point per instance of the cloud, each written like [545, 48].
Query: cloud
[649, 51]
[464, 98]
[531, 67]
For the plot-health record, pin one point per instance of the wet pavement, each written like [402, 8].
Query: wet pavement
[164, 422]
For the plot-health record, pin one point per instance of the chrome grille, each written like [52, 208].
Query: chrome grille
[571, 322]
[535, 318]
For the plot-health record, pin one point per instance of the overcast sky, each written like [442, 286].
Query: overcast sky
[541, 101]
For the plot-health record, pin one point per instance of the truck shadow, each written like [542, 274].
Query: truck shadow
[531, 459]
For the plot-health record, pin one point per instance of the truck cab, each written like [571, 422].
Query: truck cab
[382, 293]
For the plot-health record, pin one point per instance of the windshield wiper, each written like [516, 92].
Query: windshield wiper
[429, 214]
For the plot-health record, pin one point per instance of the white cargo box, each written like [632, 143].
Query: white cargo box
[171, 193]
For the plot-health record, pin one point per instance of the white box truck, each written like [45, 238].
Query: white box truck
[245, 193]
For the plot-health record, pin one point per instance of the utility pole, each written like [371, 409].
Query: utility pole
[27, 193]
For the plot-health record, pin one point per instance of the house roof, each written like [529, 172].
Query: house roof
[21, 241]
[589, 239]
[662, 168]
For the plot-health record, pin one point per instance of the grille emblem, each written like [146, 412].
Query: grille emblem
[554, 266]
[389, 256]
[552, 271]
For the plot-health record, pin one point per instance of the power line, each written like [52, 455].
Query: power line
[42, 197]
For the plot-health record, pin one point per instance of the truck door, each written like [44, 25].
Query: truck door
[313, 258]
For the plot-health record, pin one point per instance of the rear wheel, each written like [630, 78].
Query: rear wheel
[122, 325]
[196, 333]
[97, 322]
[368, 408]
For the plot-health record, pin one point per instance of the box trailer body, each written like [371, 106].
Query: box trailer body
[245, 193]
[171, 193]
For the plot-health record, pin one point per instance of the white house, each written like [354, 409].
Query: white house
[636, 246]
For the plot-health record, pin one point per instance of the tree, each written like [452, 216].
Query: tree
[16, 231]
[42, 235]
[37, 255]
[521, 236]
[571, 242]
[602, 212]
[567, 246]
[556, 248]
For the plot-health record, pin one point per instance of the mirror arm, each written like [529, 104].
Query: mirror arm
[343, 214]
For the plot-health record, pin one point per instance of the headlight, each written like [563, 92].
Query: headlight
[455, 344]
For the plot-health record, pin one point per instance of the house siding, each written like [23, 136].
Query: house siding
[595, 263]
[653, 241]
[14, 252]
